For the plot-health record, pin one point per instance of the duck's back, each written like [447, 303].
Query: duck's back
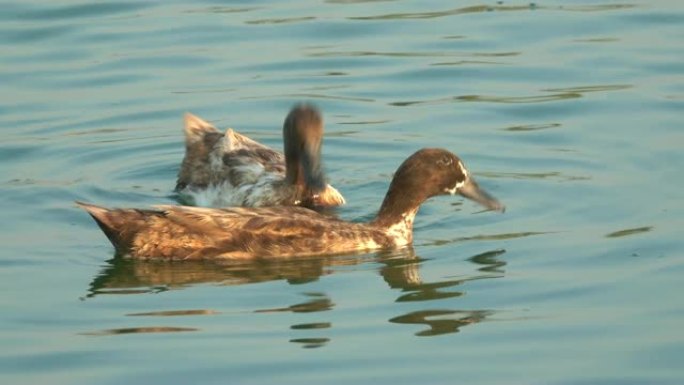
[226, 169]
[182, 232]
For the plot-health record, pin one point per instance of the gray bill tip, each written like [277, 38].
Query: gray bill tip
[472, 191]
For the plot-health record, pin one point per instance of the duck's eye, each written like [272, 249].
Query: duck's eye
[445, 161]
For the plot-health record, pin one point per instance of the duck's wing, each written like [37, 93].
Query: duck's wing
[273, 231]
[183, 232]
[252, 162]
[228, 223]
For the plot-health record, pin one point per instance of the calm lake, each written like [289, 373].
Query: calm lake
[570, 112]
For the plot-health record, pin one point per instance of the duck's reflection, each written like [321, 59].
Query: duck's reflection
[442, 321]
[403, 274]
[399, 269]
[318, 302]
[128, 276]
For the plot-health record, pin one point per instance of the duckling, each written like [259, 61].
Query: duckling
[189, 233]
[233, 170]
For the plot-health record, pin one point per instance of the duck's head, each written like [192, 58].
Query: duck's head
[302, 135]
[427, 173]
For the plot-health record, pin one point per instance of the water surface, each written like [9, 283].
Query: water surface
[569, 112]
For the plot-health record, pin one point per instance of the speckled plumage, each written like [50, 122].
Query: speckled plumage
[231, 169]
[182, 232]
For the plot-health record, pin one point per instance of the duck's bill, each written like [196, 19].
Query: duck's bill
[472, 191]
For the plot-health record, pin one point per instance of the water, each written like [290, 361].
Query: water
[570, 113]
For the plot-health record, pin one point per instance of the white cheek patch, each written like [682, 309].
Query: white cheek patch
[460, 184]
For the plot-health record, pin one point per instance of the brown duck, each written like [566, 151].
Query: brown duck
[182, 232]
[233, 170]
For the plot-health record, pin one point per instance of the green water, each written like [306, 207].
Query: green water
[569, 112]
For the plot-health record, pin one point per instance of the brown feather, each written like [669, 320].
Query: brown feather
[183, 232]
[242, 172]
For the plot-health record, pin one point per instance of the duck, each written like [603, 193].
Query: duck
[171, 232]
[230, 169]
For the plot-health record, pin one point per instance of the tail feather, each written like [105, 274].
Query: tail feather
[118, 225]
[196, 128]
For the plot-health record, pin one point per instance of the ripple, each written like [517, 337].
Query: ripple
[313, 325]
[221, 9]
[595, 88]
[410, 54]
[597, 7]
[34, 34]
[356, 1]
[81, 11]
[489, 261]
[598, 40]
[363, 122]
[628, 232]
[448, 12]
[535, 175]
[42, 182]
[491, 99]
[206, 91]
[531, 127]
[313, 305]
[519, 99]
[140, 330]
[174, 313]
[487, 237]
[449, 321]
[467, 62]
[310, 96]
[286, 20]
[311, 343]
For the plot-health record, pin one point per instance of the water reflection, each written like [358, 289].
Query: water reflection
[399, 269]
[285, 20]
[309, 343]
[174, 313]
[449, 321]
[448, 12]
[138, 330]
[319, 302]
[220, 9]
[307, 96]
[127, 276]
[492, 99]
[490, 237]
[627, 232]
[492, 8]
[404, 275]
[489, 261]
[553, 94]
[327, 54]
[531, 127]
[535, 175]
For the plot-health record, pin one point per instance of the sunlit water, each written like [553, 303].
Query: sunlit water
[571, 113]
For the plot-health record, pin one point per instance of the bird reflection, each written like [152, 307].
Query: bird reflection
[128, 276]
[449, 322]
[319, 302]
[403, 274]
[400, 269]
